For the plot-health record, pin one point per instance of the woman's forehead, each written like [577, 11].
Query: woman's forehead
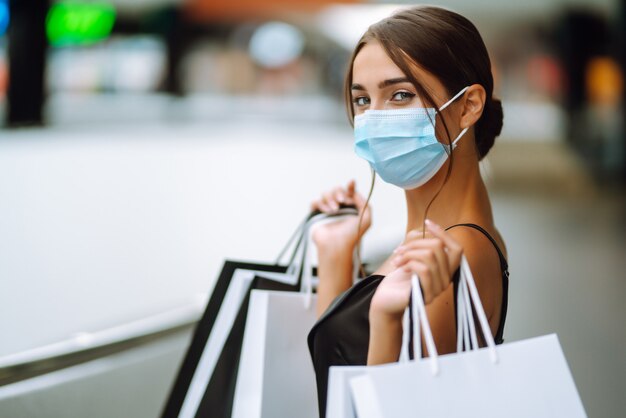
[372, 65]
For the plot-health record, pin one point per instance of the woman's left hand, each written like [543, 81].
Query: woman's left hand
[434, 259]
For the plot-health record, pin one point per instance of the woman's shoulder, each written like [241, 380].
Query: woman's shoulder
[480, 242]
[484, 250]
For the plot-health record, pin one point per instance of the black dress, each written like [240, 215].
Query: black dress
[341, 335]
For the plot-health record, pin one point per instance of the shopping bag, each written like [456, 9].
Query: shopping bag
[206, 379]
[339, 403]
[339, 399]
[276, 378]
[220, 326]
[528, 378]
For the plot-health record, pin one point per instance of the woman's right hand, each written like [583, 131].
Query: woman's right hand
[340, 235]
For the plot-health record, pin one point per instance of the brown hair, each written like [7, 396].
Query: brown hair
[446, 45]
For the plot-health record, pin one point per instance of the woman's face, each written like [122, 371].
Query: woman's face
[378, 83]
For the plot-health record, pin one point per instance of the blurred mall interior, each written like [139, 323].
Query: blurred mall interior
[143, 142]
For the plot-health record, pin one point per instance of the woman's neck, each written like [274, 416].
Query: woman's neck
[463, 197]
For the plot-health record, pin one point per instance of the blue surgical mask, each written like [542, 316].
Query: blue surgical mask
[400, 144]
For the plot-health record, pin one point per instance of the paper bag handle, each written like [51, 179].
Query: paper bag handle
[468, 294]
[307, 270]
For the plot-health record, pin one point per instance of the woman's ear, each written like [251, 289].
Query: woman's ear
[473, 105]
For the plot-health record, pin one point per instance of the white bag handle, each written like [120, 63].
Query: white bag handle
[406, 336]
[306, 269]
[420, 317]
[466, 274]
[297, 260]
[466, 333]
[467, 294]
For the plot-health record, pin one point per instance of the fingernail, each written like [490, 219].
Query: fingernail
[430, 223]
[398, 250]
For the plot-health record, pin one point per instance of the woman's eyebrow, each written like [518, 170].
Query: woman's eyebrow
[382, 84]
[393, 81]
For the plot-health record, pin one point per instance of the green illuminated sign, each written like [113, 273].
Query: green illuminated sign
[79, 23]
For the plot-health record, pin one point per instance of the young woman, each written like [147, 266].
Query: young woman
[419, 93]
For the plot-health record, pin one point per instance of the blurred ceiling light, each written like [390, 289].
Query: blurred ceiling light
[79, 23]
[346, 23]
[276, 44]
[4, 16]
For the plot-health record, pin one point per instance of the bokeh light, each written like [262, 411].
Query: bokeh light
[4, 16]
[72, 23]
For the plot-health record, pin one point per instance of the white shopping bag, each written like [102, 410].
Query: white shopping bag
[339, 399]
[339, 403]
[276, 377]
[529, 378]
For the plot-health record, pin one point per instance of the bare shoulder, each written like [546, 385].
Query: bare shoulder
[484, 262]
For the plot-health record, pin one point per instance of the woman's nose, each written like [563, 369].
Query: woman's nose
[377, 104]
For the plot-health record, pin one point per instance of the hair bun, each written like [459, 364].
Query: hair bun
[489, 126]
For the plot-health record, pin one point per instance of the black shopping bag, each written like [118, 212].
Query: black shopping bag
[205, 383]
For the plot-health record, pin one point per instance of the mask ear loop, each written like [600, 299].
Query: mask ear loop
[456, 96]
[446, 104]
[459, 137]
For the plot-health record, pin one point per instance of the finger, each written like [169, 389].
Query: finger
[359, 201]
[351, 188]
[316, 205]
[339, 195]
[422, 255]
[454, 249]
[424, 277]
[414, 234]
[410, 236]
[430, 261]
[342, 197]
[414, 244]
[321, 206]
[329, 200]
[430, 251]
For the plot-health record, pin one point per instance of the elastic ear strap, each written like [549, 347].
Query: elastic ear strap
[463, 132]
[456, 96]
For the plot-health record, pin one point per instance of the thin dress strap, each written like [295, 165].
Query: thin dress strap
[503, 262]
[505, 281]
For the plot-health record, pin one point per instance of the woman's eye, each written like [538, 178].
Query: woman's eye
[402, 96]
[361, 101]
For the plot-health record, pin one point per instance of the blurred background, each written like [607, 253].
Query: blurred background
[142, 142]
